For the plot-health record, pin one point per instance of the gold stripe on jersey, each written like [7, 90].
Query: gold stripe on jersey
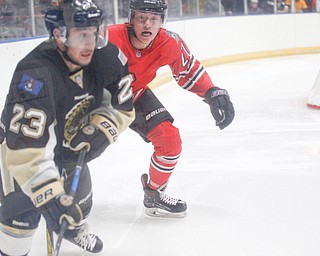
[124, 119]
[24, 163]
[6, 177]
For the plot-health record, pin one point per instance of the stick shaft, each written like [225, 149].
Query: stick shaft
[74, 186]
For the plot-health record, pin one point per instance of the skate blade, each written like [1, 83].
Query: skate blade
[159, 213]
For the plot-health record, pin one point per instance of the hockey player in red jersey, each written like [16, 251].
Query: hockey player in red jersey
[148, 47]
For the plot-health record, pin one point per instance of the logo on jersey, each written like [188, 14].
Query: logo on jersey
[138, 54]
[78, 78]
[30, 85]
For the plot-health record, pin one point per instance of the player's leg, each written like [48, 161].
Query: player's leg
[19, 218]
[154, 123]
[167, 149]
[19, 221]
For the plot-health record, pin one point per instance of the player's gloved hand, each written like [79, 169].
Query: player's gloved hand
[220, 106]
[96, 136]
[55, 205]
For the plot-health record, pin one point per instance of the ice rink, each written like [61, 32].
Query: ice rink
[252, 189]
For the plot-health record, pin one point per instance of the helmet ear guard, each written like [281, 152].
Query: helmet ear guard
[77, 13]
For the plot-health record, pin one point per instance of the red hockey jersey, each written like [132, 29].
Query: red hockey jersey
[167, 49]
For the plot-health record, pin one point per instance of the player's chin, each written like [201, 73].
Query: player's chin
[85, 59]
[83, 63]
[146, 39]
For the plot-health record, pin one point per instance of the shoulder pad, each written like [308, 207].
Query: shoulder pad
[29, 84]
[174, 35]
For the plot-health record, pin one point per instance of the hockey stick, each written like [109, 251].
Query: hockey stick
[49, 235]
[72, 193]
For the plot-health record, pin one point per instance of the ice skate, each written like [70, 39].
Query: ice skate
[86, 241]
[159, 204]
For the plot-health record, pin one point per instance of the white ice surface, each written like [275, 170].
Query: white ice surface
[252, 189]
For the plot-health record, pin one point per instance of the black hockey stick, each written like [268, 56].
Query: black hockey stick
[72, 194]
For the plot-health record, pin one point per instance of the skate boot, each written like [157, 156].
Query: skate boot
[86, 241]
[159, 204]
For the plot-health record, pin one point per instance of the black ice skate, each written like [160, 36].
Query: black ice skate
[159, 204]
[86, 241]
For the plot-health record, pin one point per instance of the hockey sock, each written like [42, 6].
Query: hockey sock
[167, 148]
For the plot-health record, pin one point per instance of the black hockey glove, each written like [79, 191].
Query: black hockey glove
[97, 135]
[55, 205]
[220, 106]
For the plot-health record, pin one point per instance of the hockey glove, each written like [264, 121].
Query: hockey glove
[97, 135]
[55, 205]
[220, 106]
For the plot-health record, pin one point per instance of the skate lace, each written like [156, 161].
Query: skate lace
[85, 240]
[168, 199]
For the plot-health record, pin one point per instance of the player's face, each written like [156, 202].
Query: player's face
[146, 26]
[81, 43]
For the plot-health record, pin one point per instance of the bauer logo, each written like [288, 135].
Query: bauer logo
[43, 197]
[30, 85]
[155, 112]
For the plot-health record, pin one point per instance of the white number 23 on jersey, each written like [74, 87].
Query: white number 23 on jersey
[36, 126]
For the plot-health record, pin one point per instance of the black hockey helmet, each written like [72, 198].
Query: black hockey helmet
[154, 6]
[76, 13]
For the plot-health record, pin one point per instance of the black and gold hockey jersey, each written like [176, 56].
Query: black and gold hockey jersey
[44, 104]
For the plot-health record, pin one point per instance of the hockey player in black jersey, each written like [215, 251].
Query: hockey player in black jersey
[71, 92]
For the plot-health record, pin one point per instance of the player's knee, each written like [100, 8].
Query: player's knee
[166, 139]
[18, 230]
[14, 241]
[175, 141]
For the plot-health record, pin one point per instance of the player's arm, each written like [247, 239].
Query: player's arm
[187, 70]
[116, 112]
[102, 127]
[118, 97]
[28, 123]
[191, 76]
